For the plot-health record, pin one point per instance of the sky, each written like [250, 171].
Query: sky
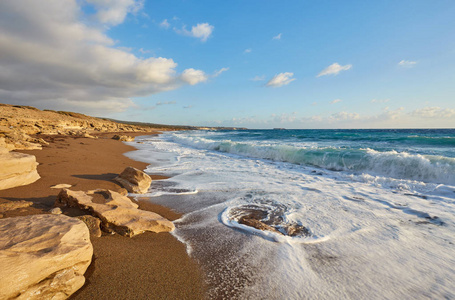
[242, 63]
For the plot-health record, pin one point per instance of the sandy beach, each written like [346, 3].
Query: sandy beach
[147, 266]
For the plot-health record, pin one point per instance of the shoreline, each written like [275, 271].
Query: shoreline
[150, 265]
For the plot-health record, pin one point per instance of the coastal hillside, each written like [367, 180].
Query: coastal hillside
[21, 126]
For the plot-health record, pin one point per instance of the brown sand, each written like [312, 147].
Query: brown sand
[147, 266]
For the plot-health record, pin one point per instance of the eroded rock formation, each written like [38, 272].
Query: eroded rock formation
[118, 213]
[43, 256]
[134, 180]
[17, 169]
[123, 138]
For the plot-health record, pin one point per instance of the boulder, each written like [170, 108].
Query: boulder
[123, 138]
[43, 256]
[118, 213]
[17, 169]
[134, 180]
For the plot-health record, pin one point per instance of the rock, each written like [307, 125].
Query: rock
[12, 205]
[17, 169]
[134, 180]
[93, 224]
[122, 191]
[56, 211]
[257, 224]
[118, 213]
[43, 256]
[123, 138]
[3, 149]
[61, 186]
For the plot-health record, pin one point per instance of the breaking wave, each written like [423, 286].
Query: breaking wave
[400, 165]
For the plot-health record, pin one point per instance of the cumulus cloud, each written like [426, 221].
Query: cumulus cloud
[407, 63]
[277, 37]
[193, 76]
[51, 58]
[201, 31]
[113, 12]
[281, 79]
[434, 112]
[334, 69]
[344, 116]
[335, 101]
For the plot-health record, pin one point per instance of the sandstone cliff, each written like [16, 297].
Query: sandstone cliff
[20, 126]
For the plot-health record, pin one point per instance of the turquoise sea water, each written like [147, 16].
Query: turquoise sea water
[426, 155]
[377, 208]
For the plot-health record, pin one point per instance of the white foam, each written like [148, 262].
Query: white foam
[373, 235]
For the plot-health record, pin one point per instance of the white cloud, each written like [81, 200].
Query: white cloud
[281, 79]
[335, 101]
[334, 69]
[380, 100]
[247, 50]
[218, 72]
[344, 116]
[51, 58]
[165, 24]
[277, 37]
[193, 76]
[434, 113]
[113, 12]
[202, 31]
[258, 78]
[407, 63]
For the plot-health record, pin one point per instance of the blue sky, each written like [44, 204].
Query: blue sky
[256, 64]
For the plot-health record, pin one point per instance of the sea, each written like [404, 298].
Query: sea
[345, 214]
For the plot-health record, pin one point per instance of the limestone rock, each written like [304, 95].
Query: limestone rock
[118, 213]
[93, 224]
[3, 149]
[122, 191]
[134, 180]
[17, 169]
[56, 211]
[61, 186]
[43, 256]
[123, 138]
[12, 205]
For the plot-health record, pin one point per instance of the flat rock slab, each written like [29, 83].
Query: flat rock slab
[43, 256]
[117, 213]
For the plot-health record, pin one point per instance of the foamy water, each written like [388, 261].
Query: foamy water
[378, 216]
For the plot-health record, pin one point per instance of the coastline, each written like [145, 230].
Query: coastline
[149, 265]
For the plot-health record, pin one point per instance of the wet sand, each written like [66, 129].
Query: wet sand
[147, 266]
